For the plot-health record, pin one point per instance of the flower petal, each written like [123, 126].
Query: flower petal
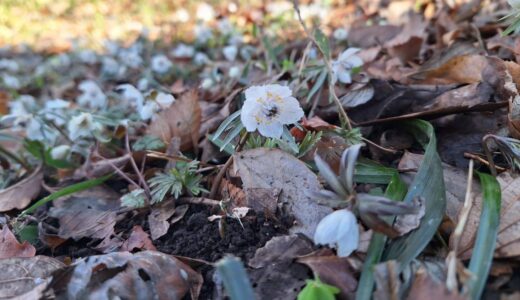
[347, 53]
[290, 111]
[340, 230]
[280, 90]
[272, 130]
[344, 77]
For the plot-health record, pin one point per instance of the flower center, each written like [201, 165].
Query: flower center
[270, 110]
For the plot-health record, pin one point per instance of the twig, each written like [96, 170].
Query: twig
[222, 172]
[332, 91]
[482, 161]
[198, 200]
[118, 171]
[136, 168]
[379, 146]
[451, 280]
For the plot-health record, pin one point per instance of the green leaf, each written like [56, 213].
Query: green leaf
[37, 149]
[396, 190]
[482, 255]
[148, 142]
[317, 290]
[368, 171]
[224, 126]
[235, 278]
[323, 42]
[28, 233]
[428, 184]
[318, 84]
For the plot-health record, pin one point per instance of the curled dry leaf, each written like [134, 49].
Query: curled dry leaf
[158, 218]
[182, 119]
[10, 247]
[138, 239]
[285, 247]
[26, 278]
[144, 275]
[22, 193]
[276, 169]
[406, 223]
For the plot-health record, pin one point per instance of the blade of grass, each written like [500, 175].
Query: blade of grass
[482, 255]
[396, 190]
[78, 187]
[235, 278]
[428, 184]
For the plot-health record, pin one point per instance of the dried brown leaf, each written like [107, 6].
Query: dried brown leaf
[425, 287]
[10, 247]
[285, 247]
[138, 239]
[22, 193]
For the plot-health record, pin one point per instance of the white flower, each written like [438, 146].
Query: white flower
[205, 12]
[236, 39]
[91, 95]
[338, 230]
[20, 110]
[164, 100]
[514, 3]
[181, 15]
[87, 56]
[34, 130]
[207, 83]
[60, 152]
[143, 84]
[151, 107]
[224, 26]
[54, 110]
[183, 51]
[11, 82]
[161, 64]
[203, 34]
[147, 111]
[340, 34]
[235, 72]
[131, 58]
[200, 59]
[230, 52]
[9, 65]
[111, 47]
[83, 125]
[130, 94]
[111, 67]
[342, 68]
[268, 107]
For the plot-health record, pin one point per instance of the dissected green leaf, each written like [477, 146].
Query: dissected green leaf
[148, 142]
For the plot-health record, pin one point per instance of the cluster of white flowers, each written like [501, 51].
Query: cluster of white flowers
[148, 108]
[161, 64]
[83, 126]
[342, 67]
[268, 108]
[183, 51]
[91, 95]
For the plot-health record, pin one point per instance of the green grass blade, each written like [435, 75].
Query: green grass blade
[428, 184]
[235, 278]
[482, 255]
[78, 187]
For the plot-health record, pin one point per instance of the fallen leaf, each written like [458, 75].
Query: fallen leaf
[278, 248]
[158, 218]
[263, 200]
[426, 287]
[388, 284]
[182, 119]
[276, 169]
[138, 239]
[26, 278]
[10, 247]
[407, 44]
[332, 270]
[143, 275]
[406, 223]
[19, 195]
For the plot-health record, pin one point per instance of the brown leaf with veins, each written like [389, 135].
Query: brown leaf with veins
[182, 119]
[19, 195]
[138, 239]
[10, 247]
[425, 287]
[158, 218]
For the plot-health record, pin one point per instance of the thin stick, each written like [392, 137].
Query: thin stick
[222, 172]
[489, 156]
[118, 171]
[379, 146]
[482, 161]
[198, 200]
[142, 181]
[451, 280]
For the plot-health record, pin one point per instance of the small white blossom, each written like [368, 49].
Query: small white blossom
[164, 100]
[147, 111]
[338, 230]
[340, 34]
[224, 26]
[205, 12]
[131, 95]
[11, 81]
[91, 95]
[236, 39]
[161, 64]
[83, 125]
[200, 59]
[87, 56]
[268, 107]
[203, 34]
[514, 4]
[230, 52]
[60, 152]
[151, 107]
[54, 110]
[20, 110]
[143, 84]
[111, 67]
[181, 15]
[207, 83]
[34, 130]
[342, 68]
[131, 58]
[235, 72]
[60, 61]
[9, 65]
[111, 47]
[183, 51]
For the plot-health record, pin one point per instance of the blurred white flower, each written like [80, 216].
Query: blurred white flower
[269, 107]
[131, 58]
[34, 130]
[9, 65]
[200, 59]
[111, 47]
[57, 104]
[181, 15]
[338, 230]
[87, 56]
[205, 12]
[203, 34]
[235, 72]
[224, 26]
[91, 95]
[11, 81]
[147, 111]
[60, 61]
[340, 34]
[343, 66]
[20, 110]
[514, 3]
[236, 39]
[111, 67]
[207, 83]
[83, 125]
[143, 84]
[130, 94]
[230, 52]
[183, 51]
[60, 152]
[161, 64]
[54, 110]
[164, 100]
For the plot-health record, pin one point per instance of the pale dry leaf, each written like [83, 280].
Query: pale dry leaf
[285, 247]
[276, 169]
[388, 283]
[182, 119]
[138, 239]
[426, 287]
[22, 193]
[158, 218]
[26, 278]
[10, 247]
[406, 223]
